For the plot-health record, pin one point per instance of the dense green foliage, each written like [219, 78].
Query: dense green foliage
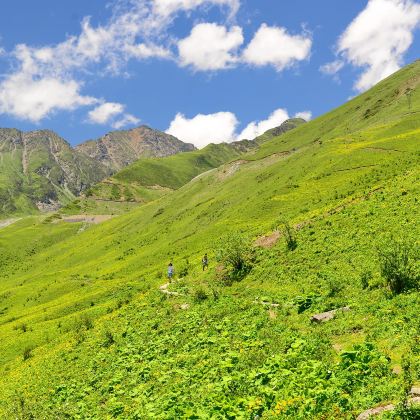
[87, 333]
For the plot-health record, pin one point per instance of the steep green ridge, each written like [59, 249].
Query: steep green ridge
[83, 307]
[148, 179]
[39, 170]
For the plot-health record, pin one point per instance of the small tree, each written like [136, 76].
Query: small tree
[235, 254]
[397, 265]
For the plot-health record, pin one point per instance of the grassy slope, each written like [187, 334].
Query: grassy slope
[149, 179]
[108, 344]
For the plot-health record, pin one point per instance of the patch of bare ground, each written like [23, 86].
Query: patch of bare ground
[229, 169]
[87, 218]
[268, 241]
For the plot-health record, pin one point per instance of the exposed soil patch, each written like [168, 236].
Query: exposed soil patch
[230, 169]
[87, 218]
[268, 241]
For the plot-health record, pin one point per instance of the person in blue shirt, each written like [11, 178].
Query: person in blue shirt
[170, 271]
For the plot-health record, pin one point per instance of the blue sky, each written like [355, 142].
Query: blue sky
[203, 70]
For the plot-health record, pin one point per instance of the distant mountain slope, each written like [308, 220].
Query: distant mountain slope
[148, 179]
[118, 149]
[40, 170]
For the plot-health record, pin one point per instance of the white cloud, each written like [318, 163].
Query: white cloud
[256, 128]
[127, 119]
[274, 46]
[378, 38]
[306, 115]
[168, 7]
[210, 47]
[33, 99]
[141, 51]
[221, 127]
[204, 129]
[332, 68]
[104, 112]
[107, 112]
[49, 78]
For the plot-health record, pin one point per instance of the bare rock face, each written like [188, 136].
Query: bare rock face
[118, 149]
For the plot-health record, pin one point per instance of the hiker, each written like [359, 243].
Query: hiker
[170, 271]
[205, 262]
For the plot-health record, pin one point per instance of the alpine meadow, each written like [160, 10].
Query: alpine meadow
[309, 308]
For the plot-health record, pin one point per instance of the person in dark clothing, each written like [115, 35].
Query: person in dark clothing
[205, 262]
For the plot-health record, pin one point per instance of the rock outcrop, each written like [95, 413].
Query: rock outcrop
[118, 149]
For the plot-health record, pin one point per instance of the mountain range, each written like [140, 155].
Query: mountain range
[39, 170]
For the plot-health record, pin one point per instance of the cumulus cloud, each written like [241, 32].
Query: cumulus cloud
[104, 112]
[256, 128]
[276, 118]
[49, 78]
[210, 47]
[273, 46]
[126, 119]
[377, 39]
[306, 115]
[221, 127]
[108, 111]
[26, 97]
[204, 129]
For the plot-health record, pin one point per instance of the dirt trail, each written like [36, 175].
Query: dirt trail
[164, 289]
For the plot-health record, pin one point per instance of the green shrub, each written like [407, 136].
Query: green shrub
[365, 278]
[305, 302]
[397, 264]
[108, 339]
[235, 255]
[200, 295]
[185, 268]
[289, 234]
[27, 353]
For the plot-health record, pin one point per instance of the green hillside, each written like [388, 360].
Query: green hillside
[149, 179]
[87, 332]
